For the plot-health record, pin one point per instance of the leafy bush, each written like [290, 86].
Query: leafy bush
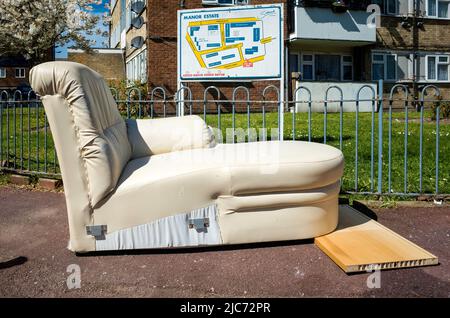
[444, 109]
[123, 87]
[124, 91]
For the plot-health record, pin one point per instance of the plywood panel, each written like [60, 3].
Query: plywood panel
[360, 243]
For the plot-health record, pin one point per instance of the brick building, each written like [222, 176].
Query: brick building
[328, 43]
[108, 62]
[128, 32]
[412, 42]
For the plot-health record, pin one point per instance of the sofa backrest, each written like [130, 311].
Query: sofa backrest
[98, 131]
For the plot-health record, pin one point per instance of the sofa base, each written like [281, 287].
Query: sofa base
[252, 225]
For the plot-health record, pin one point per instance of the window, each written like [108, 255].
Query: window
[327, 67]
[437, 67]
[384, 66]
[438, 8]
[308, 67]
[347, 68]
[20, 72]
[2, 72]
[137, 68]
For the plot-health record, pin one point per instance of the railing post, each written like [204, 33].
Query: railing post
[281, 113]
[380, 136]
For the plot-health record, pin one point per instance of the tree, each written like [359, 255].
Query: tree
[32, 27]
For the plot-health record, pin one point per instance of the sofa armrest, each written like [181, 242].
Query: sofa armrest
[156, 136]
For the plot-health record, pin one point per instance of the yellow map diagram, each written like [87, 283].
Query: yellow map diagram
[227, 43]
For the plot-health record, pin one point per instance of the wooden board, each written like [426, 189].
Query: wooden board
[361, 244]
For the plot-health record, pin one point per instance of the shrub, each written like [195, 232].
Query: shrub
[444, 109]
[123, 87]
[123, 90]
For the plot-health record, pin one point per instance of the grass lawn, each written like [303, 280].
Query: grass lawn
[365, 181]
[31, 132]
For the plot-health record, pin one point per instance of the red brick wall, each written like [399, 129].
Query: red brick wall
[162, 55]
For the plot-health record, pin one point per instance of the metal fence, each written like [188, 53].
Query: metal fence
[400, 146]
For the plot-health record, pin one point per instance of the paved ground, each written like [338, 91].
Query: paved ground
[34, 259]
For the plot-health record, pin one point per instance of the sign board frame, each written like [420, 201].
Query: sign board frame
[201, 16]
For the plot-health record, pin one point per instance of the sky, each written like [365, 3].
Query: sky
[61, 52]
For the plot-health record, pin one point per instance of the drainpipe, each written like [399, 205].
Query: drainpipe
[416, 58]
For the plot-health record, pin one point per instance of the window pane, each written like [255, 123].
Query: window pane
[431, 7]
[390, 67]
[442, 9]
[442, 72]
[378, 71]
[307, 72]
[431, 67]
[328, 67]
[348, 73]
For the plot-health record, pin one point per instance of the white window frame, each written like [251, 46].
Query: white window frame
[20, 69]
[384, 62]
[343, 63]
[136, 67]
[312, 63]
[2, 72]
[437, 10]
[436, 63]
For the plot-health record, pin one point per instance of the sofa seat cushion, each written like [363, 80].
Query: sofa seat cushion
[162, 185]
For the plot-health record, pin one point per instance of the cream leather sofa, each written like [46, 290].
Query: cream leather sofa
[162, 183]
